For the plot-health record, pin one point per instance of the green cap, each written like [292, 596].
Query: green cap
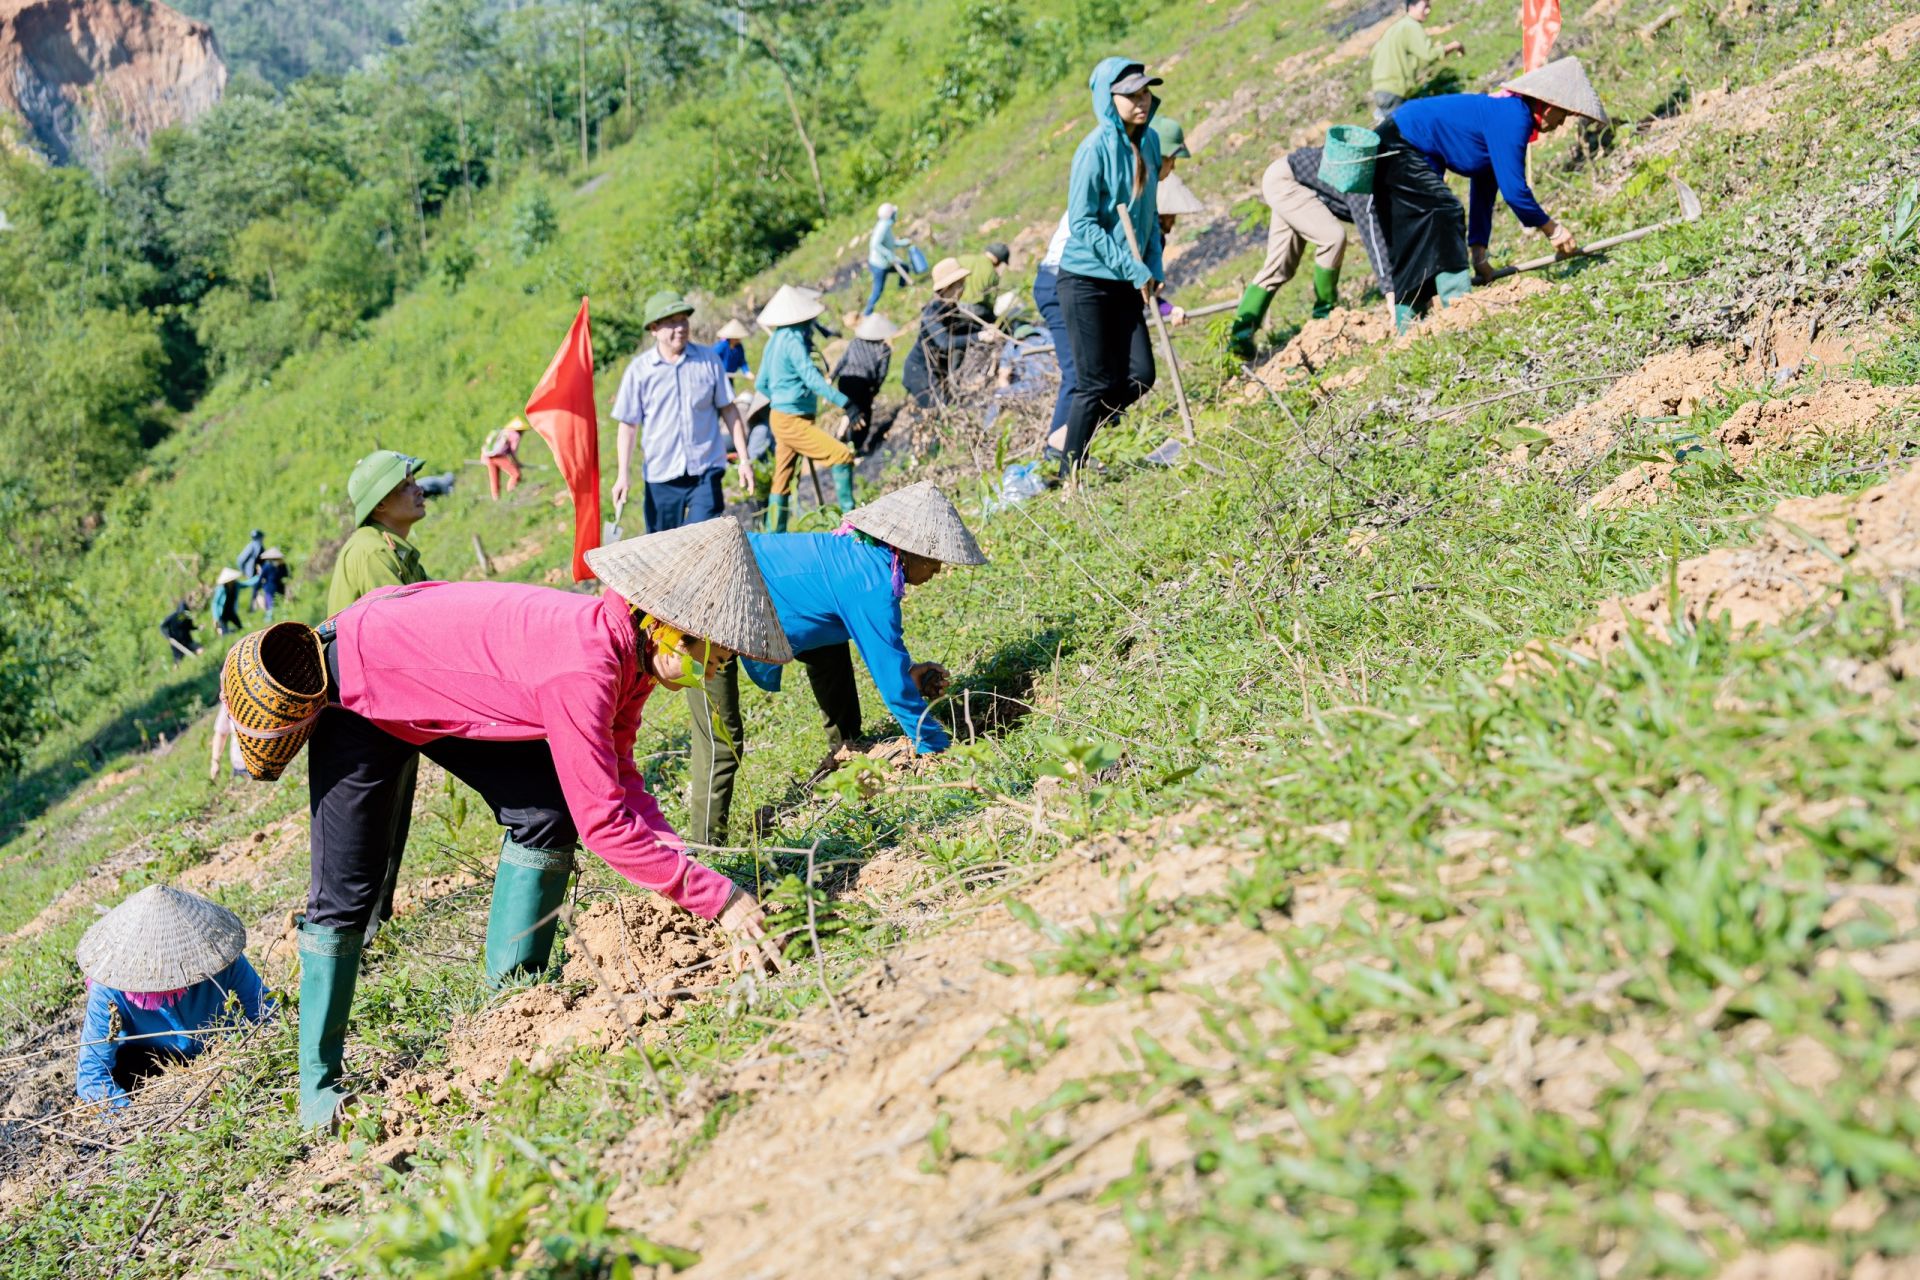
[374, 477]
[1173, 139]
[666, 303]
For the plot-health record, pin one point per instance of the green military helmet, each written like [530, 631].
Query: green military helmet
[374, 477]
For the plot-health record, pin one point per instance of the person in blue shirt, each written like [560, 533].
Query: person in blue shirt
[883, 254]
[166, 974]
[225, 605]
[832, 591]
[1103, 286]
[1484, 138]
[732, 348]
[794, 388]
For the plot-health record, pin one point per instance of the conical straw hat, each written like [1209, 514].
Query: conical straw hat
[790, 306]
[919, 519]
[1176, 197]
[1562, 83]
[226, 575]
[273, 553]
[875, 328]
[701, 578]
[734, 329]
[161, 939]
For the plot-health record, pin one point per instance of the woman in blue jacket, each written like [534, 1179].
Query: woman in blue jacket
[166, 972]
[795, 387]
[1103, 287]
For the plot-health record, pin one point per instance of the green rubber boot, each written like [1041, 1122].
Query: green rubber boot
[1326, 291]
[1248, 319]
[528, 887]
[777, 513]
[843, 485]
[1451, 286]
[329, 969]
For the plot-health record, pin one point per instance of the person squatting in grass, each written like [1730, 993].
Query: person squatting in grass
[1102, 284]
[532, 697]
[387, 502]
[1484, 138]
[675, 397]
[166, 972]
[832, 590]
[1306, 211]
[948, 326]
[794, 389]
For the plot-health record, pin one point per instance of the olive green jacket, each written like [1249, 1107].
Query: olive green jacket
[372, 557]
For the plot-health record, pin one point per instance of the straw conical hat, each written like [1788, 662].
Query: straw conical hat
[226, 575]
[273, 553]
[735, 330]
[161, 939]
[1176, 197]
[875, 328]
[701, 578]
[790, 305]
[1561, 83]
[919, 519]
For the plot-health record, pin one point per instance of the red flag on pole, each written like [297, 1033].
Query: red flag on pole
[1539, 28]
[561, 410]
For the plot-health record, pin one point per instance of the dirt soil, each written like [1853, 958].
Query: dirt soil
[1671, 384]
[1349, 332]
[1808, 546]
[1762, 427]
[249, 861]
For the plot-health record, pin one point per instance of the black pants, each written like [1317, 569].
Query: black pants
[356, 779]
[830, 672]
[1112, 354]
[136, 1061]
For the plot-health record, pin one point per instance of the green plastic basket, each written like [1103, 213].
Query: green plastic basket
[1346, 162]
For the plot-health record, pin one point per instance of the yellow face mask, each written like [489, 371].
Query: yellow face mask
[670, 639]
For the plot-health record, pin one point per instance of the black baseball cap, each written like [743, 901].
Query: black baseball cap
[1135, 79]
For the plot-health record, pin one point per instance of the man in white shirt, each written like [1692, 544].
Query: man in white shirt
[675, 397]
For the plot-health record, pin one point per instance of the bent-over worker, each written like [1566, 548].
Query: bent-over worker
[832, 590]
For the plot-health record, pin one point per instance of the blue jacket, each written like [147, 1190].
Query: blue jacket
[732, 359]
[168, 1030]
[830, 589]
[1483, 139]
[787, 377]
[1102, 176]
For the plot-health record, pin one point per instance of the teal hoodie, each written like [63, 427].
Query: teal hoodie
[1102, 177]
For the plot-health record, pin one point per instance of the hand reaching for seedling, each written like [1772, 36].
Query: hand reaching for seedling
[749, 947]
[930, 678]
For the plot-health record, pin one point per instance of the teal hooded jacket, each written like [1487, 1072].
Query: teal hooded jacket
[1102, 177]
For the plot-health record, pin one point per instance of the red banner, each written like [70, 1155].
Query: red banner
[1539, 28]
[562, 411]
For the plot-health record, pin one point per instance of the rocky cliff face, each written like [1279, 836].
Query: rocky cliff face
[86, 76]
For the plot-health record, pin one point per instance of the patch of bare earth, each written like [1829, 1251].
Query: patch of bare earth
[250, 861]
[1671, 384]
[1348, 332]
[1808, 547]
[1762, 427]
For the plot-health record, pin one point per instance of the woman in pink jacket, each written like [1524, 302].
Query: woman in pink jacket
[532, 697]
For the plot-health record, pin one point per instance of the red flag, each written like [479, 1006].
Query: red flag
[561, 410]
[1539, 28]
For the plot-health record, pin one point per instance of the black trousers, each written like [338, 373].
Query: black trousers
[1112, 354]
[830, 672]
[357, 777]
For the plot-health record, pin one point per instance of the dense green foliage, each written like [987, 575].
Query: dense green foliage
[281, 43]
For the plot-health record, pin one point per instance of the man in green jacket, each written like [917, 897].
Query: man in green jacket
[1404, 58]
[387, 503]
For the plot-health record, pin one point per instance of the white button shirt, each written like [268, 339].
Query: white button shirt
[677, 407]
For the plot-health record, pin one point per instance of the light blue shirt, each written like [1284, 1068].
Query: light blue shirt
[677, 408]
[882, 248]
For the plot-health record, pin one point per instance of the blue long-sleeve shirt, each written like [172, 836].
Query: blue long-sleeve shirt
[166, 1030]
[1483, 139]
[787, 377]
[830, 589]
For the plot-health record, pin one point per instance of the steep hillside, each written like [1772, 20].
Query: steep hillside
[85, 76]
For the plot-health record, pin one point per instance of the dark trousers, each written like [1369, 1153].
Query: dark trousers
[1112, 354]
[356, 782]
[830, 672]
[686, 500]
[1046, 296]
[137, 1061]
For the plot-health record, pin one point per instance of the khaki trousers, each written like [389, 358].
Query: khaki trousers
[794, 438]
[1299, 219]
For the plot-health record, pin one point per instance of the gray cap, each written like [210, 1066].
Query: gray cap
[1136, 80]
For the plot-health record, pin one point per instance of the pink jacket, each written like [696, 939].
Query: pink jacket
[511, 663]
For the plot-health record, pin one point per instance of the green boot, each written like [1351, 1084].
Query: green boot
[1326, 291]
[1248, 319]
[777, 513]
[329, 968]
[843, 485]
[528, 887]
[1451, 286]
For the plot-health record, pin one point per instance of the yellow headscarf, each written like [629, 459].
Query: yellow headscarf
[670, 639]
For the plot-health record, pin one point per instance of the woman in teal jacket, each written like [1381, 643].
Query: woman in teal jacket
[1103, 286]
[795, 388]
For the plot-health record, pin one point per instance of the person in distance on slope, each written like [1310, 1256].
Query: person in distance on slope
[1403, 59]
[177, 627]
[794, 387]
[1306, 211]
[983, 275]
[1102, 285]
[248, 562]
[861, 371]
[1485, 139]
[732, 349]
[836, 589]
[948, 325]
[226, 600]
[500, 454]
[273, 578]
[883, 254]
[166, 970]
[532, 697]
